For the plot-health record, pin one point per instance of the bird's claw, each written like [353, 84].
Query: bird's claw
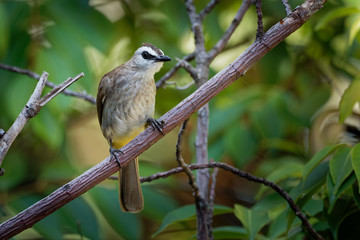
[156, 124]
[113, 152]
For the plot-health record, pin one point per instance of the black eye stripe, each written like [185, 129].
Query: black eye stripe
[147, 55]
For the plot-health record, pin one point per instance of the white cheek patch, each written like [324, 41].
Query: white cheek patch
[148, 49]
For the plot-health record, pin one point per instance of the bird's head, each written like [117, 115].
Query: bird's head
[149, 58]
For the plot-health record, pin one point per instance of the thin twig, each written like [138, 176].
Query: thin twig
[210, 209]
[287, 7]
[260, 26]
[196, 27]
[60, 88]
[295, 208]
[172, 71]
[208, 8]
[81, 95]
[219, 46]
[190, 69]
[181, 162]
[184, 87]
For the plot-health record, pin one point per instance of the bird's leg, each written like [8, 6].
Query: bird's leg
[113, 152]
[155, 124]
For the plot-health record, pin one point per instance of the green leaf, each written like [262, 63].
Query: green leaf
[278, 226]
[127, 225]
[273, 204]
[229, 232]
[334, 196]
[318, 158]
[312, 182]
[356, 195]
[354, 30]
[348, 99]
[340, 167]
[252, 219]
[282, 172]
[337, 13]
[355, 160]
[186, 213]
[181, 214]
[303, 192]
[313, 207]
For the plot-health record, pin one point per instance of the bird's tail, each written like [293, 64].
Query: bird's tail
[131, 198]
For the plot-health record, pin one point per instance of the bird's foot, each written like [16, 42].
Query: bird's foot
[156, 124]
[114, 152]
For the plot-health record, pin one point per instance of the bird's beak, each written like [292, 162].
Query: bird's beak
[162, 59]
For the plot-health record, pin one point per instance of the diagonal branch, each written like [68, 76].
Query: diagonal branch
[36, 76]
[174, 117]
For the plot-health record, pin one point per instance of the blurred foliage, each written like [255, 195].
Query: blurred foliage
[263, 123]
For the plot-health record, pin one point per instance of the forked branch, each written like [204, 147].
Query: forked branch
[30, 110]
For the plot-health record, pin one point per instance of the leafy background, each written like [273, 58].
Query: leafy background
[272, 122]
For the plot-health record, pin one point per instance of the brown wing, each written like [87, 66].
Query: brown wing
[100, 99]
[106, 86]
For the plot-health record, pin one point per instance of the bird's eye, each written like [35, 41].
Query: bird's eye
[146, 55]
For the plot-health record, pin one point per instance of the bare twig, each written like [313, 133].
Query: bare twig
[181, 162]
[186, 86]
[260, 27]
[60, 88]
[171, 119]
[190, 69]
[36, 76]
[171, 72]
[296, 209]
[228, 33]
[287, 7]
[196, 29]
[207, 9]
[210, 209]
[30, 110]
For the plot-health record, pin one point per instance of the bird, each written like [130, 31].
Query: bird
[125, 107]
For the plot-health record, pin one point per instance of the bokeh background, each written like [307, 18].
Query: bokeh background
[263, 123]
